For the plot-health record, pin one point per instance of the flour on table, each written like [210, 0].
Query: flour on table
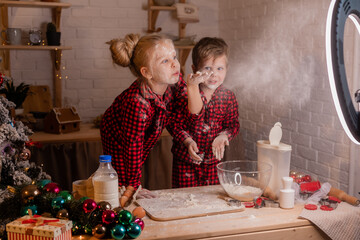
[242, 193]
[185, 202]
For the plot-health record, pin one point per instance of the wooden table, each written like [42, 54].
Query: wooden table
[252, 224]
[87, 133]
[249, 224]
[186, 203]
[74, 156]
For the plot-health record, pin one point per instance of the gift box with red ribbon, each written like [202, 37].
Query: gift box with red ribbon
[39, 228]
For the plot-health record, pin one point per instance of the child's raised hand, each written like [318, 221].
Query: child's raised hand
[218, 146]
[198, 77]
[193, 149]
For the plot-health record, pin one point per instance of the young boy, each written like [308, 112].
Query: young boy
[200, 136]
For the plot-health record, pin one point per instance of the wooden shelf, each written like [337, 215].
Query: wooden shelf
[34, 4]
[162, 8]
[153, 13]
[184, 46]
[56, 8]
[30, 47]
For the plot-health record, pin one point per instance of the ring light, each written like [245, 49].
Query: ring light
[339, 11]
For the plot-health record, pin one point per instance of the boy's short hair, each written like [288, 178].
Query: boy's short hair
[209, 47]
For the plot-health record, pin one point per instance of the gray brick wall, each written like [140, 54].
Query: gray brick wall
[278, 70]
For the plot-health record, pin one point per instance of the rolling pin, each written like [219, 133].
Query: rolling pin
[341, 195]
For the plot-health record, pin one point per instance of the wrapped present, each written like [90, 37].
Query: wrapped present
[39, 228]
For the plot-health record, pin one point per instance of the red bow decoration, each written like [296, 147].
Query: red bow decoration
[38, 222]
[31, 143]
[1, 79]
[35, 221]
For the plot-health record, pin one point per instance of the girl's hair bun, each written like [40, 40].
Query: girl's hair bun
[122, 50]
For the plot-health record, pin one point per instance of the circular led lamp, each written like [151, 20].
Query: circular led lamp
[339, 11]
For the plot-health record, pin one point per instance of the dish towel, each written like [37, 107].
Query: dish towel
[339, 224]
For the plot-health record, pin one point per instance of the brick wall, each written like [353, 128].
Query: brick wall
[278, 71]
[90, 80]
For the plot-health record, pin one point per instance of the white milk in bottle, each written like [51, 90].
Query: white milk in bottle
[105, 181]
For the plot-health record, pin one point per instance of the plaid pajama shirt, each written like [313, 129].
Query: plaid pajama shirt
[219, 115]
[131, 126]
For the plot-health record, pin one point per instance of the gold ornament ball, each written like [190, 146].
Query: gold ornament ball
[63, 214]
[300, 175]
[25, 154]
[99, 231]
[28, 193]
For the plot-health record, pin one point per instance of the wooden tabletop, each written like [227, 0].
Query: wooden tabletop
[250, 224]
[264, 223]
[87, 133]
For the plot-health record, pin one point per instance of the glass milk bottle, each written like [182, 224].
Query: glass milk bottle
[105, 181]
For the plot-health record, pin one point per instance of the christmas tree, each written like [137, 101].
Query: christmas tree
[15, 167]
[24, 186]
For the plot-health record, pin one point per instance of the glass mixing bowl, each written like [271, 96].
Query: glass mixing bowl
[244, 180]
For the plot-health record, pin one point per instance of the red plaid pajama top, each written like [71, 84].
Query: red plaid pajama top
[219, 115]
[131, 126]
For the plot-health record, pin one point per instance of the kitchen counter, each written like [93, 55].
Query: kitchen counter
[264, 223]
[250, 224]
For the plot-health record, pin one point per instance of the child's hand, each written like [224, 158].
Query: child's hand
[218, 146]
[198, 77]
[193, 149]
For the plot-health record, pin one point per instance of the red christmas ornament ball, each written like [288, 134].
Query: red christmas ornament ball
[140, 222]
[108, 216]
[307, 178]
[89, 205]
[52, 187]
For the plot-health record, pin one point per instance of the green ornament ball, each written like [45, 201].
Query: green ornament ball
[43, 182]
[66, 195]
[57, 203]
[25, 210]
[118, 232]
[95, 218]
[125, 217]
[133, 230]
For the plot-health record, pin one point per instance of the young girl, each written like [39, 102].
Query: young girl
[200, 138]
[133, 123]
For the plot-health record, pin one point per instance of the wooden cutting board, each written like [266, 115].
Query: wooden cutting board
[180, 203]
